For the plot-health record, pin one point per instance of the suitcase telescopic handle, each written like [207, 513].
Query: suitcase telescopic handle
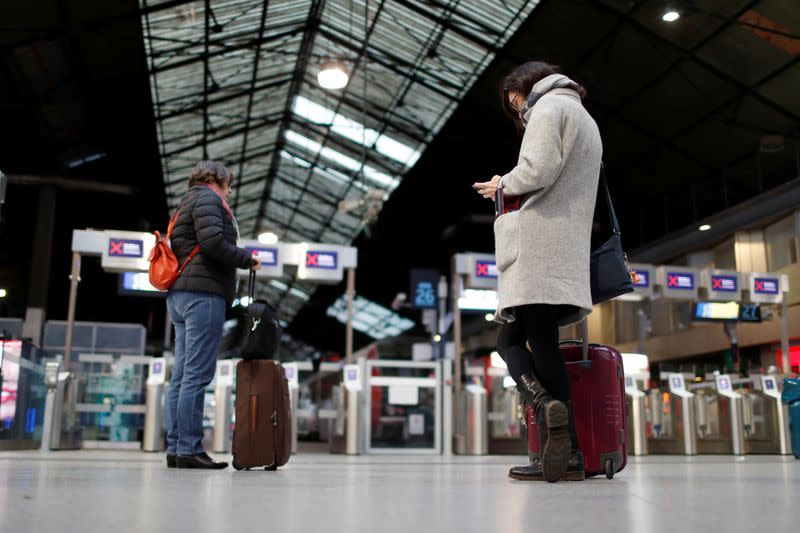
[584, 342]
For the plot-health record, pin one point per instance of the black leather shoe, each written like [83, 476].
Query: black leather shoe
[170, 460]
[200, 461]
[533, 472]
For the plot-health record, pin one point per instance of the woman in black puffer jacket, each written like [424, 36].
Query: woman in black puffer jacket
[197, 304]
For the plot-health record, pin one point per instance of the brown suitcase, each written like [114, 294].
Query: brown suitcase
[262, 436]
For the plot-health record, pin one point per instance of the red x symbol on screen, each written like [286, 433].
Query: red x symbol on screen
[673, 281]
[759, 285]
[312, 259]
[717, 283]
[482, 269]
[116, 248]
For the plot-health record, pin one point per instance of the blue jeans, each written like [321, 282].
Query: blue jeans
[198, 319]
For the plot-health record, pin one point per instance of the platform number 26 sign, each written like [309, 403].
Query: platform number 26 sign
[425, 297]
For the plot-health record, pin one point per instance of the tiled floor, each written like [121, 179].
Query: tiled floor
[120, 492]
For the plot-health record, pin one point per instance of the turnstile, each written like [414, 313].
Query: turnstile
[348, 431]
[155, 406]
[720, 428]
[223, 405]
[637, 417]
[471, 435]
[62, 429]
[765, 418]
[672, 428]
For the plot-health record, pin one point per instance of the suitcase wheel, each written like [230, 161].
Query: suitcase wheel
[609, 469]
[236, 465]
[272, 468]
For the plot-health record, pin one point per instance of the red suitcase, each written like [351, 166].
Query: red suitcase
[598, 401]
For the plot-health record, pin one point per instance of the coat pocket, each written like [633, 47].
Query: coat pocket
[506, 240]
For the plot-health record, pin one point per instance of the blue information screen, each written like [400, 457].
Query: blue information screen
[423, 288]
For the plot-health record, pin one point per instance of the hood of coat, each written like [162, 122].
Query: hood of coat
[542, 87]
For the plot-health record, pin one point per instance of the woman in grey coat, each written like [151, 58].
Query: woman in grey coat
[542, 241]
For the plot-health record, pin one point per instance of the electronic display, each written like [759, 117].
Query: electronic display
[750, 313]
[137, 284]
[716, 311]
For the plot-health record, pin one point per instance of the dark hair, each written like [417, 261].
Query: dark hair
[210, 172]
[521, 80]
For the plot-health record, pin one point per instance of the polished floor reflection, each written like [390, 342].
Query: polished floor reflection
[99, 491]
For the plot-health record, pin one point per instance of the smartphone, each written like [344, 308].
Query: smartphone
[499, 202]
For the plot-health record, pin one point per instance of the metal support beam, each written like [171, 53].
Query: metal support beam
[70, 184]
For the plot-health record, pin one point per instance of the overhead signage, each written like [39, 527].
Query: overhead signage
[322, 259]
[268, 256]
[126, 251]
[482, 272]
[766, 288]
[486, 269]
[680, 283]
[423, 284]
[724, 283]
[125, 248]
[642, 279]
[272, 259]
[766, 285]
[680, 280]
[642, 284]
[319, 263]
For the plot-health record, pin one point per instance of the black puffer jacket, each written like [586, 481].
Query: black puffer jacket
[203, 220]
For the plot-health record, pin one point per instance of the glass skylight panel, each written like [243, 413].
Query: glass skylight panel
[377, 177]
[355, 131]
[370, 318]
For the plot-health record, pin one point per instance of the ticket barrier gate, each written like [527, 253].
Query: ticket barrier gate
[765, 418]
[472, 422]
[348, 431]
[155, 406]
[637, 417]
[720, 426]
[61, 429]
[223, 406]
[672, 429]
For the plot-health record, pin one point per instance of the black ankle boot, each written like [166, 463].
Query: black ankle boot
[576, 470]
[552, 419]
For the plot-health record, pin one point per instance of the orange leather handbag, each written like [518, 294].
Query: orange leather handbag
[163, 263]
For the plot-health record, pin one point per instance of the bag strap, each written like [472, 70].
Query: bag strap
[193, 253]
[172, 221]
[251, 288]
[611, 211]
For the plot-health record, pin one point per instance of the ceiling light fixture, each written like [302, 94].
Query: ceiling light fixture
[268, 238]
[704, 227]
[3, 293]
[333, 75]
[671, 16]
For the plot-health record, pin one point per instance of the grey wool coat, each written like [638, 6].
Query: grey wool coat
[543, 249]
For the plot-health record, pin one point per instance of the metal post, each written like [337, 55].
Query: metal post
[75, 277]
[167, 328]
[454, 294]
[351, 294]
[784, 327]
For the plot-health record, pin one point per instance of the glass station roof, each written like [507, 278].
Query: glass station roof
[236, 81]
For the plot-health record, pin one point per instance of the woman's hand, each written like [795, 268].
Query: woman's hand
[255, 263]
[488, 189]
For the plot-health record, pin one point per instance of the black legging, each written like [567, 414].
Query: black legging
[536, 324]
